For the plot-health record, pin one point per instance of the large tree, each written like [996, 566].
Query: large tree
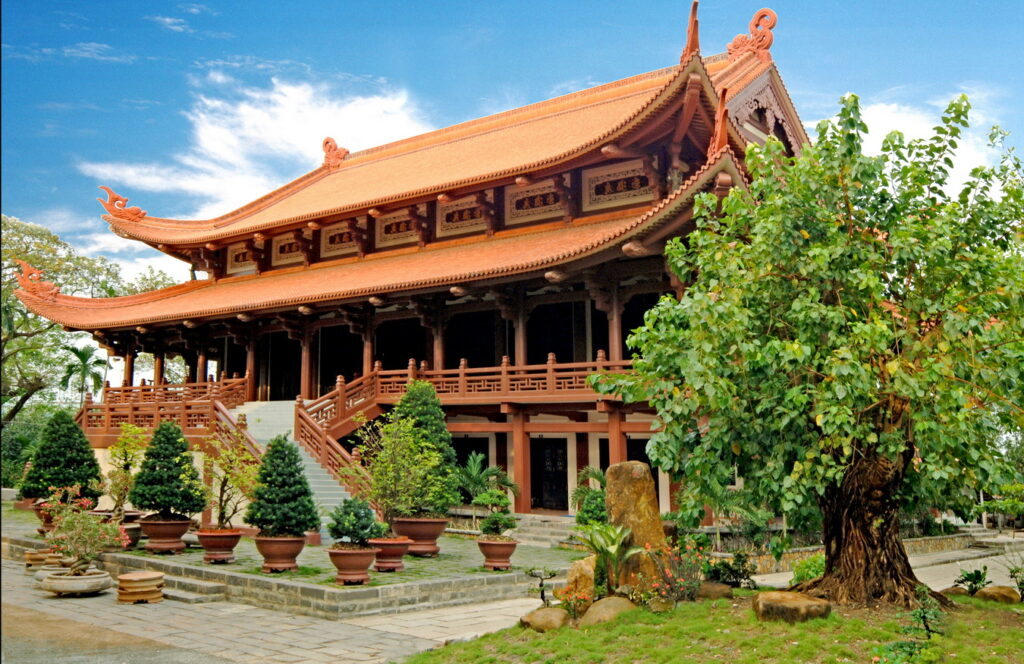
[851, 336]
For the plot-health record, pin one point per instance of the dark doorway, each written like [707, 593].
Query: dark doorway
[549, 465]
[633, 316]
[395, 341]
[234, 358]
[341, 354]
[557, 328]
[466, 445]
[473, 336]
[282, 358]
[636, 450]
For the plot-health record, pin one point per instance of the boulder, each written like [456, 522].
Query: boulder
[954, 590]
[712, 590]
[1004, 594]
[661, 605]
[604, 610]
[789, 606]
[580, 580]
[545, 619]
[633, 503]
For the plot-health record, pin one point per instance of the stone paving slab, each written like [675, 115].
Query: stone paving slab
[246, 633]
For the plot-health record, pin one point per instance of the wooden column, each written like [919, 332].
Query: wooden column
[306, 364]
[201, 365]
[367, 352]
[158, 368]
[614, 327]
[616, 439]
[520, 445]
[519, 326]
[250, 369]
[437, 336]
[129, 369]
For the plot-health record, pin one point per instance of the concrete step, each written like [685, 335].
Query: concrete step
[193, 591]
[175, 595]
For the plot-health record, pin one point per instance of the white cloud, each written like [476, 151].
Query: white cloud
[196, 8]
[133, 267]
[245, 141]
[572, 85]
[171, 23]
[108, 243]
[65, 220]
[95, 51]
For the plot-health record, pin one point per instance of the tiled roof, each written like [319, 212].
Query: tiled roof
[502, 145]
[465, 260]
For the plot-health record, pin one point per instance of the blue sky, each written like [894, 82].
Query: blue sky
[192, 109]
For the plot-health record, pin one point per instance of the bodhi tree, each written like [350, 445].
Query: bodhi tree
[851, 334]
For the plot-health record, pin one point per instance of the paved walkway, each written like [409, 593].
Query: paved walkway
[234, 632]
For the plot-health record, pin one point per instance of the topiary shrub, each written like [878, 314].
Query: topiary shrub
[592, 509]
[168, 482]
[353, 523]
[421, 405]
[499, 520]
[63, 458]
[283, 504]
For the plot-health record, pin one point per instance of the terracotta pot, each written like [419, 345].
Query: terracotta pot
[279, 553]
[352, 564]
[164, 536]
[104, 515]
[389, 553]
[131, 516]
[496, 554]
[92, 582]
[45, 518]
[134, 532]
[422, 532]
[24, 503]
[219, 545]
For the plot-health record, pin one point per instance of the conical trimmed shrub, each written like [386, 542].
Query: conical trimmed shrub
[63, 458]
[168, 481]
[421, 405]
[283, 504]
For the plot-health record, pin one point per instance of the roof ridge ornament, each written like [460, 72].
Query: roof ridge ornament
[333, 155]
[31, 281]
[692, 46]
[115, 206]
[760, 38]
[720, 139]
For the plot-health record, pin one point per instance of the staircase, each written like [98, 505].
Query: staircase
[544, 530]
[267, 419]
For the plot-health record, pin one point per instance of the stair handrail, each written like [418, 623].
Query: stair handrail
[331, 454]
[340, 403]
[223, 417]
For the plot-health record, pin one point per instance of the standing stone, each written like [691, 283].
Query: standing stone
[632, 502]
[580, 580]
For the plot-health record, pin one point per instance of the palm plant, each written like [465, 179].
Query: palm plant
[588, 501]
[475, 478]
[85, 368]
[611, 545]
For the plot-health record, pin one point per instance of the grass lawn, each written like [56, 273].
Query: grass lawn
[727, 631]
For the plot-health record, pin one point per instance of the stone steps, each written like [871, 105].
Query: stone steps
[546, 531]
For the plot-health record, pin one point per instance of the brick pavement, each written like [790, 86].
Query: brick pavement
[253, 634]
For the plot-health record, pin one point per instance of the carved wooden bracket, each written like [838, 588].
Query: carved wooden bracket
[430, 312]
[486, 211]
[359, 235]
[565, 195]
[305, 246]
[420, 223]
[507, 301]
[257, 253]
[116, 206]
[359, 321]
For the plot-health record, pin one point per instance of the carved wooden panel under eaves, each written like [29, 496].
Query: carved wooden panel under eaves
[239, 259]
[616, 185]
[534, 202]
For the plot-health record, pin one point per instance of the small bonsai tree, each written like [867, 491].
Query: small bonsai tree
[125, 455]
[282, 503]
[233, 472]
[168, 482]
[499, 520]
[63, 458]
[78, 534]
[353, 523]
[475, 478]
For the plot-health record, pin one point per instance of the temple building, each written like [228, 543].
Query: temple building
[504, 259]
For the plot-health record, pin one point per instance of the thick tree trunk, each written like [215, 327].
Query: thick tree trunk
[865, 561]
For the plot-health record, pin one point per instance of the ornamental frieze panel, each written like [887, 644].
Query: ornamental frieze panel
[535, 202]
[397, 227]
[240, 258]
[616, 185]
[287, 249]
[462, 215]
[758, 110]
[341, 239]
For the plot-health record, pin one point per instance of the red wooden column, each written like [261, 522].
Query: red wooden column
[614, 327]
[437, 336]
[129, 369]
[201, 365]
[367, 352]
[520, 444]
[616, 438]
[250, 369]
[158, 368]
[306, 368]
[519, 328]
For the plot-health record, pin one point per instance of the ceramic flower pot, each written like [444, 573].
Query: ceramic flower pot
[90, 583]
[134, 532]
[422, 532]
[389, 553]
[497, 553]
[219, 545]
[279, 553]
[45, 518]
[164, 536]
[352, 564]
[47, 570]
[34, 560]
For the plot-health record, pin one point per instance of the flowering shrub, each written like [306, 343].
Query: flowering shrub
[573, 602]
[77, 533]
[680, 569]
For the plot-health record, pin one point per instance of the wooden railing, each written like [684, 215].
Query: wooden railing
[230, 391]
[320, 422]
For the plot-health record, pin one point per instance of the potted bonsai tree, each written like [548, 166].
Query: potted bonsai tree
[63, 458]
[494, 544]
[282, 507]
[125, 455]
[82, 537]
[425, 516]
[352, 525]
[232, 470]
[167, 484]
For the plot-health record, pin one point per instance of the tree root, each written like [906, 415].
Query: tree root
[899, 592]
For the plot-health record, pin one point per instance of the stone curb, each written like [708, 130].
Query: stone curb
[316, 599]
